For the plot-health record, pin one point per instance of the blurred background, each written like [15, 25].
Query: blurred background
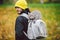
[50, 10]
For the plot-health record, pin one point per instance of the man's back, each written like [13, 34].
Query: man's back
[20, 26]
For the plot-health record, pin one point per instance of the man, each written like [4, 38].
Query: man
[21, 24]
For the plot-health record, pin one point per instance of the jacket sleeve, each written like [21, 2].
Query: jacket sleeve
[19, 26]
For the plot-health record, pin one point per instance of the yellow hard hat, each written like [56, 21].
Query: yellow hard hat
[22, 4]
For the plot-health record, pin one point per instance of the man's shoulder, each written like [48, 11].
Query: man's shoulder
[20, 18]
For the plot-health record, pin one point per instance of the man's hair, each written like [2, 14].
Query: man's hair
[25, 11]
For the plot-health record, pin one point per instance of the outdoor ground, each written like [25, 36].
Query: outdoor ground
[50, 14]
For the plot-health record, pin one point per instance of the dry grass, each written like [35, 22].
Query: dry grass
[8, 16]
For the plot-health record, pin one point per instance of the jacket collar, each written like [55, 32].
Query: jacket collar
[25, 15]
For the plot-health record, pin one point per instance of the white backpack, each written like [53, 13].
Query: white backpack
[36, 29]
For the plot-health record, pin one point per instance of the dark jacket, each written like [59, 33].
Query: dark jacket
[20, 26]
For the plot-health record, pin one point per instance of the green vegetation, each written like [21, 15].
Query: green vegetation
[50, 14]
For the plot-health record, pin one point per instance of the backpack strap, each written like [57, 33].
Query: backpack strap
[25, 34]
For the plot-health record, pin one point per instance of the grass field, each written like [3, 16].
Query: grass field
[50, 14]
